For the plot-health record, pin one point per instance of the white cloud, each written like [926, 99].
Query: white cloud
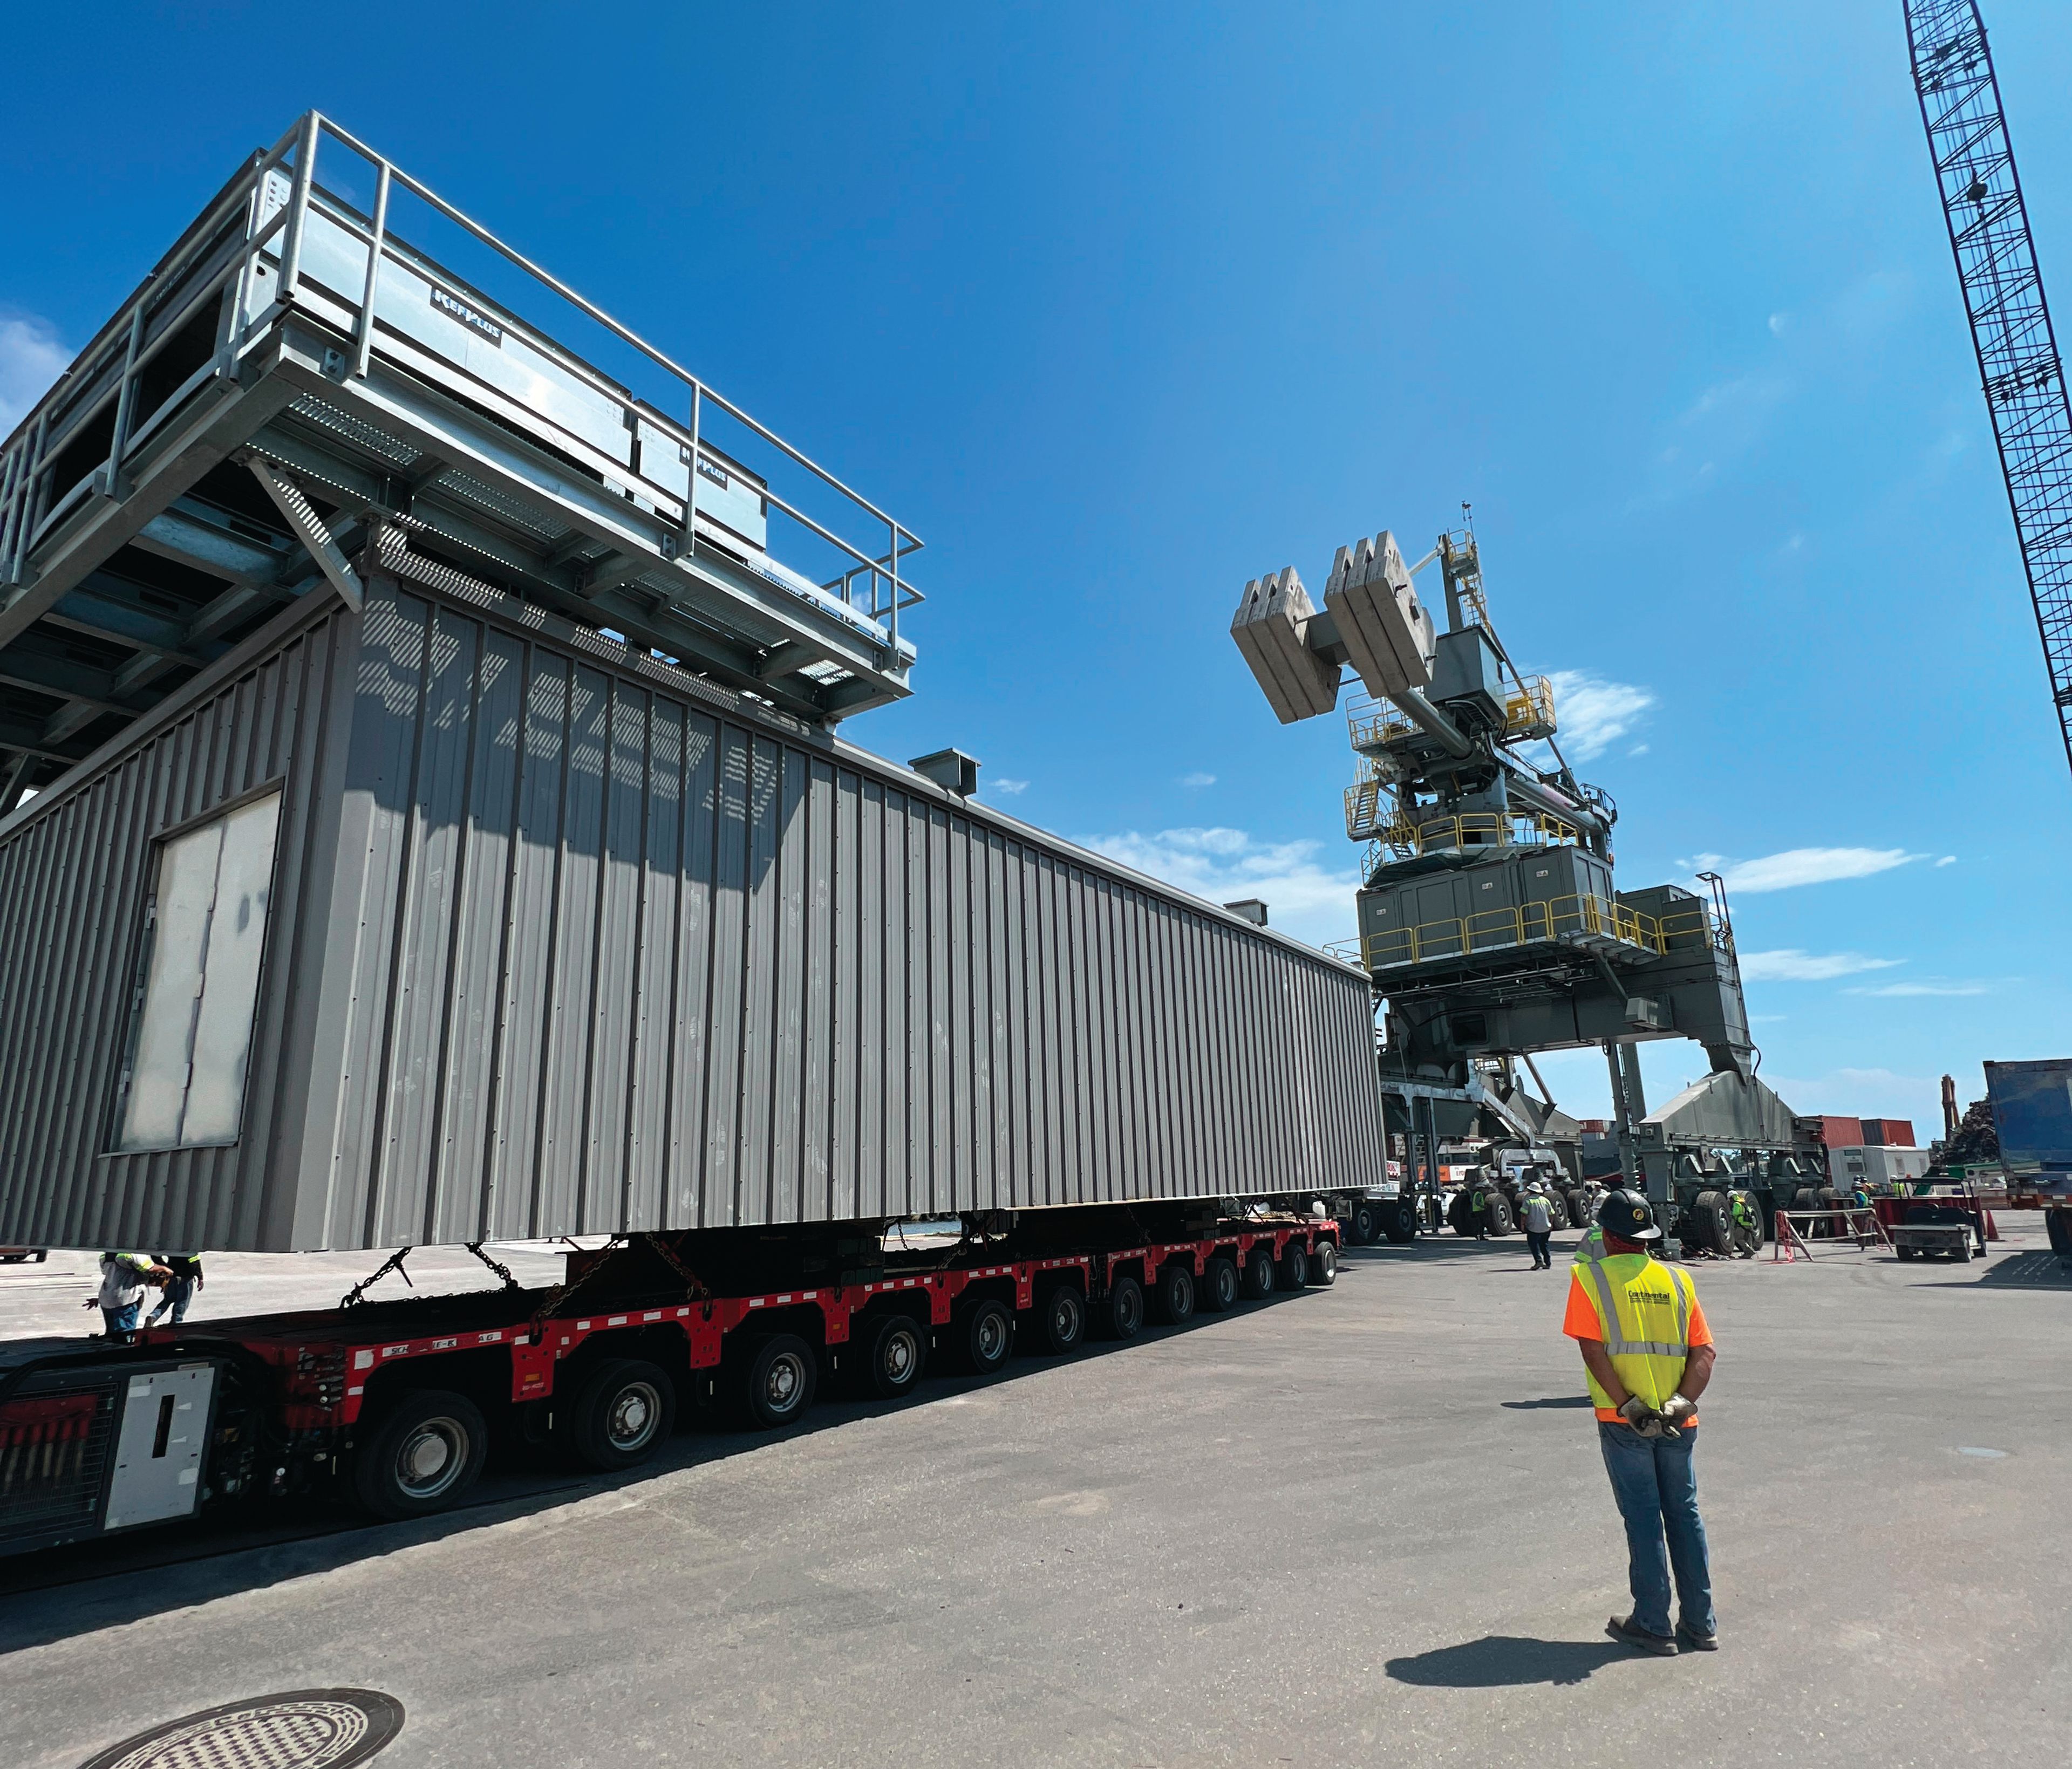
[1637, 749]
[1594, 713]
[1891, 990]
[1797, 866]
[1948, 860]
[1778, 322]
[1302, 897]
[31, 359]
[1789, 964]
[1010, 787]
[1198, 779]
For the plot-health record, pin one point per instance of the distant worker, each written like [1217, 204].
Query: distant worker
[124, 1277]
[1537, 1215]
[1479, 1202]
[1648, 1354]
[185, 1279]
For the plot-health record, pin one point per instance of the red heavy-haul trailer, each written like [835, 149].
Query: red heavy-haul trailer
[394, 1406]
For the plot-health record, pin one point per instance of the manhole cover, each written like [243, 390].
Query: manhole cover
[306, 1729]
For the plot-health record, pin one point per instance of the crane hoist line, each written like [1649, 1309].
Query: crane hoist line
[2019, 367]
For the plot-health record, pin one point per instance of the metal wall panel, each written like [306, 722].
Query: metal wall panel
[75, 871]
[562, 945]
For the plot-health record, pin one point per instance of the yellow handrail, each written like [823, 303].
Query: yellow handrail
[1586, 916]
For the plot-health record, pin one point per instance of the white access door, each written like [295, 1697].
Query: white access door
[158, 1451]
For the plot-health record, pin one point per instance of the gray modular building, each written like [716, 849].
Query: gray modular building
[531, 934]
[421, 819]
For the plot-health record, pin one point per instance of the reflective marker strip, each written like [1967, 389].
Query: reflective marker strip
[1608, 1317]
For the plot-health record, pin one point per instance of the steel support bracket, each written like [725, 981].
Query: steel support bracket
[307, 527]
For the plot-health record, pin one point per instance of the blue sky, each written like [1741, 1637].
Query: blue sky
[1120, 306]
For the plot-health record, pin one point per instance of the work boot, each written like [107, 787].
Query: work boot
[1692, 1641]
[1660, 1645]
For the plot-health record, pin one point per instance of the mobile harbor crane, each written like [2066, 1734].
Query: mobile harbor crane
[1489, 922]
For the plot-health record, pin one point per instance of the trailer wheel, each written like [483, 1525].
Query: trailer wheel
[1366, 1224]
[1259, 1275]
[1399, 1222]
[1122, 1315]
[422, 1457]
[1706, 1226]
[777, 1379]
[1579, 1211]
[1218, 1289]
[988, 1336]
[1961, 1252]
[1064, 1319]
[1176, 1294]
[1905, 1253]
[1294, 1271]
[893, 1361]
[1324, 1265]
[1557, 1211]
[2059, 1231]
[625, 1410]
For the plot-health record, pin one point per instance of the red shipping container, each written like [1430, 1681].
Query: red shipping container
[1889, 1132]
[1832, 1132]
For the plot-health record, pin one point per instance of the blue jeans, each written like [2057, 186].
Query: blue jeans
[178, 1295]
[1658, 1497]
[123, 1319]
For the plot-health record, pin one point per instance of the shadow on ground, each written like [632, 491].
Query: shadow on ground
[1501, 1661]
[57, 1593]
[1552, 1400]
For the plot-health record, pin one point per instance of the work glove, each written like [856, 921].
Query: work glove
[1676, 1411]
[1642, 1418]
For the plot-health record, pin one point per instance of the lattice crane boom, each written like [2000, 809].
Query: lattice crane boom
[2019, 366]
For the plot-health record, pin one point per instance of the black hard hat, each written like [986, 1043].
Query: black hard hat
[1627, 1215]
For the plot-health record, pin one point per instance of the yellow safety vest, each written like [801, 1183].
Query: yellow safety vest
[1591, 1247]
[1643, 1311]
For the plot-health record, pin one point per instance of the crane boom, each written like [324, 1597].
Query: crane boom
[2019, 367]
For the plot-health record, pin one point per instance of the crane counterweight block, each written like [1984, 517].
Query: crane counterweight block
[1272, 628]
[1386, 632]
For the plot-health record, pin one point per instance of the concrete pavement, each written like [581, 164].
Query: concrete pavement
[1362, 1525]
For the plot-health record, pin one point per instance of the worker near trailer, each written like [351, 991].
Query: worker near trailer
[1648, 1354]
[1537, 1216]
[180, 1292]
[124, 1277]
[1479, 1202]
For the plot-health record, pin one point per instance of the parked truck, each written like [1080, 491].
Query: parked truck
[440, 834]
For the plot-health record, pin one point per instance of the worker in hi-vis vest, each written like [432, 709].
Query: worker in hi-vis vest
[1648, 1354]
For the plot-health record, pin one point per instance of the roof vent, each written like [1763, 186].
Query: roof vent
[951, 770]
[1251, 908]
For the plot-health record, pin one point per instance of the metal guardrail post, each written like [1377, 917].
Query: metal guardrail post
[362, 330]
[299, 205]
[691, 496]
[125, 405]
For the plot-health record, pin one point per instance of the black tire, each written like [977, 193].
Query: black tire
[1364, 1229]
[624, 1409]
[1579, 1209]
[1122, 1315]
[1063, 1319]
[1807, 1197]
[1704, 1225]
[1961, 1253]
[1324, 1264]
[1905, 1253]
[1399, 1222]
[1258, 1275]
[1557, 1211]
[775, 1381]
[2057, 1224]
[1218, 1289]
[1832, 1201]
[1501, 1220]
[985, 1336]
[1460, 1216]
[422, 1457]
[895, 1353]
[1176, 1294]
[1294, 1266]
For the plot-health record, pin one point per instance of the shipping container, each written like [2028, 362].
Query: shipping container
[1888, 1132]
[451, 921]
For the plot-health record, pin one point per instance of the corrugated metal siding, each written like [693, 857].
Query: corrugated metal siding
[559, 945]
[74, 878]
[618, 961]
